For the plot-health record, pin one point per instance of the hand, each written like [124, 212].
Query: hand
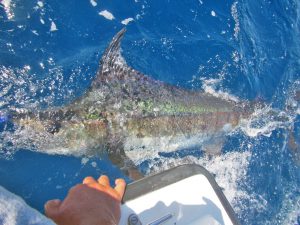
[91, 203]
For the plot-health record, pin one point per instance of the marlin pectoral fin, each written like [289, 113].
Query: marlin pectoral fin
[214, 145]
[118, 157]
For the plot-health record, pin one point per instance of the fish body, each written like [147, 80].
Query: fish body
[127, 113]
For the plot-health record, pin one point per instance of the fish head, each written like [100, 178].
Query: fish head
[60, 136]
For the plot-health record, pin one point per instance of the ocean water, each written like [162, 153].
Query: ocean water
[239, 50]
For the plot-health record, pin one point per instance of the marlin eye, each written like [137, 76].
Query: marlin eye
[53, 127]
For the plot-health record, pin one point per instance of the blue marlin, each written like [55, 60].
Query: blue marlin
[128, 114]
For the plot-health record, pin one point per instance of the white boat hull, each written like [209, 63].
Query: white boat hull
[186, 195]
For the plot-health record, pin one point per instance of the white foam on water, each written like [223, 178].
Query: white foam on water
[27, 68]
[209, 87]
[53, 27]
[262, 122]
[84, 160]
[42, 65]
[40, 4]
[290, 211]
[126, 21]
[107, 15]
[235, 56]
[35, 32]
[14, 81]
[230, 170]
[6, 3]
[213, 13]
[8, 8]
[14, 211]
[234, 14]
[94, 164]
[138, 16]
[93, 3]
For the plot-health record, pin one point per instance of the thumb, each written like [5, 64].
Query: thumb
[52, 208]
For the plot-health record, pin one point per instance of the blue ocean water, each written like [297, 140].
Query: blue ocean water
[242, 50]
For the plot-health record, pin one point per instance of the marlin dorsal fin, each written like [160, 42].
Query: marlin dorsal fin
[112, 64]
[112, 52]
[114, 69]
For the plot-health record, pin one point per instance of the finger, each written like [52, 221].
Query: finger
[104, 180]
[120, 187]
[89, 180]
[52, 208]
